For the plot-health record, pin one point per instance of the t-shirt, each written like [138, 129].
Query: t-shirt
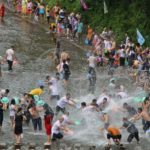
[122, 94]
[101, 98]
[92, 61]
[9, 54]
[62, 102]
[54, 90]
[130, 127]
[122, 53]
[56, 127]
[113, 131]
[37, 91]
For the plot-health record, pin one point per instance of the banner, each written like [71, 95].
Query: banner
[140, 38]
[105, 8]
[83, 4]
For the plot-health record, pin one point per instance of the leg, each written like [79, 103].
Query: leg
[57, 110]
[34, 121]
[136, 135]
[39, 122]
[130, 137]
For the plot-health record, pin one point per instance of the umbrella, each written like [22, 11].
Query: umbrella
[5, 100]
[40, 103]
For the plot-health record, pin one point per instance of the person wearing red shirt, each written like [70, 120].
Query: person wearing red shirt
[2, 11]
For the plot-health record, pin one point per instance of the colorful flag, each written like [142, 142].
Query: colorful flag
[83, 4]
[105, 8]
[140, 38]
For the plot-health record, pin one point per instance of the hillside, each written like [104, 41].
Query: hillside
[123, 15]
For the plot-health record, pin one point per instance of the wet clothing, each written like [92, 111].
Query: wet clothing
[61, 104]
[2, 10]
[113, 133]
[18, 124]
[131, 111]
[66, 71]
[56, 134]
[37, 91]
[48, 123]
[37, 123]
[131, 128]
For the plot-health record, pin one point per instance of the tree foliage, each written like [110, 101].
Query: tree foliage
[123, 16]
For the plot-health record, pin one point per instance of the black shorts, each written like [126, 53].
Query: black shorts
[55, 97]
[114, 137]
[58, 109]
[122, 61]
[57, 136]
[1, 119]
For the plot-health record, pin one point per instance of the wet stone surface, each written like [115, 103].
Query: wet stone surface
[33, 48]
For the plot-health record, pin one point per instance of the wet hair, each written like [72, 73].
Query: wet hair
[140, 109]
[83, 104]
[12, 102]
[41, 87]
[7, 91]
[19, 109]
[94, 101]
[12, 47]
[105, 99]
[124, 119]
[125, 104]
[47, 77]
[25, 94]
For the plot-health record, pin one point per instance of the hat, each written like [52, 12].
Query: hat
[5, 100]
[36, 98]
[40, 103]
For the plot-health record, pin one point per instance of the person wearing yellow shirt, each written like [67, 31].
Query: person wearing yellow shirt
[37, 91]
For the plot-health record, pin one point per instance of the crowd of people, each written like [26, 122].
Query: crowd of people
[103, 52]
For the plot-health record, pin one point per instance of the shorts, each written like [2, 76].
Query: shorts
[55, 97]
[146, 125]
[58, 109]
[57, 136]
[114, 137]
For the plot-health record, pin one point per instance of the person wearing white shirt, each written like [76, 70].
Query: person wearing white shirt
[61, 104]
[54, 91]
[10, 57]
[56, 129]
[92, 61]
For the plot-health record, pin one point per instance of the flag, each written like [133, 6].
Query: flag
[83, 4]
[140, 38]
[105, 8]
